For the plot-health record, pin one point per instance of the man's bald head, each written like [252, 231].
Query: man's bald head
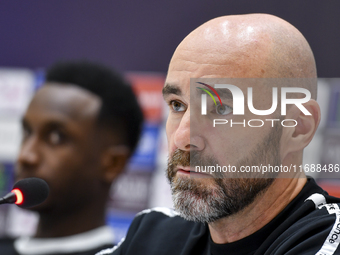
[271, 53]
[250, 46]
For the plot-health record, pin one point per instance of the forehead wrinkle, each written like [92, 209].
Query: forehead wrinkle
[201, 57]
[233, 63]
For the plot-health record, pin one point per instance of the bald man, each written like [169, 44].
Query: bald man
[233, 212]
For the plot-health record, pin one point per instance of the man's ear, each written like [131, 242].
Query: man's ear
[298, 137]
[114, 160]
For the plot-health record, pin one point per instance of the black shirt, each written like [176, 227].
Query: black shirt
[310, 224]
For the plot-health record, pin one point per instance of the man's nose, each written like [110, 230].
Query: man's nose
[187, 136]
[29, 152]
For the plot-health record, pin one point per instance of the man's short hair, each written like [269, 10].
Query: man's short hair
[120, 110]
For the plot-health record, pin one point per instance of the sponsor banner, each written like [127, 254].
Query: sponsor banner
[144, 158]
[6, 177]
[10, 139]
[16, 89]
[148, 88]
[130, 192]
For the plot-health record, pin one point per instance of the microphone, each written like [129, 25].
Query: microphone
[27, 193]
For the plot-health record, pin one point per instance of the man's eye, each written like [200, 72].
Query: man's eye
[55, 137]
[177, 106]
[223, 109]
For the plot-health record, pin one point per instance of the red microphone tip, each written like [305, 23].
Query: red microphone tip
[20, 197]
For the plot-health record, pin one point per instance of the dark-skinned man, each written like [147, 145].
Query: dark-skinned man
[80, 129]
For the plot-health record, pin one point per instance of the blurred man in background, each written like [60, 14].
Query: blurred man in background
[80, 129]
[221, 212]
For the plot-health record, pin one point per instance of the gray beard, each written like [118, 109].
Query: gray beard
[196, 201]
[227, 197]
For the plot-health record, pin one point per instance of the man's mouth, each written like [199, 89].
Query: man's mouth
[190, 171]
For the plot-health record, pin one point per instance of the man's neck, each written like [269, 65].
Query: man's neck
[53, 225]
[255, 216]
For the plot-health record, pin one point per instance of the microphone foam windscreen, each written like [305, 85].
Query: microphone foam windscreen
[34, 190]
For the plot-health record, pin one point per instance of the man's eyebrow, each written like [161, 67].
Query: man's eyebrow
[55, 125]
[171, 89]
[49, 124]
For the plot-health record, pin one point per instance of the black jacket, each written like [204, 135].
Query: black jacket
[310, 224]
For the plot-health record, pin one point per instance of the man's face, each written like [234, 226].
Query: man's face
[59, 145]
[193, 141]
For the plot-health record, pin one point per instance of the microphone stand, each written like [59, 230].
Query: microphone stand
[10, 198]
